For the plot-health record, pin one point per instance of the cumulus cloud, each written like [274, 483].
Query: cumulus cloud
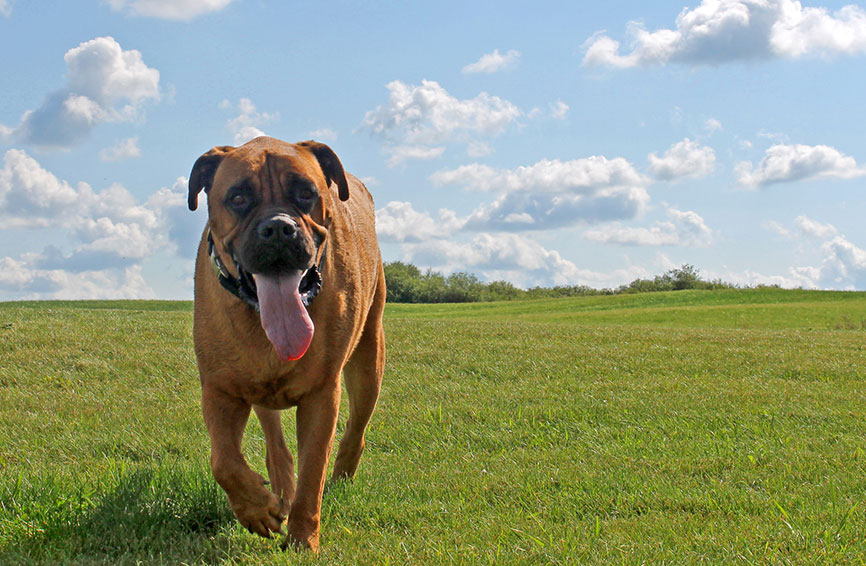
[30, 196]
[427, 116]
[104, 84]
[784, 163]
[683, 159]
[182, 10]
[551, 193]
[21, 280]
[245, 126]
[122, 150]
[842, 263]
[547, 175]
[102, 237]
[843, 266]
[512, 257]
[721, 31]
[685, 228]
[493, 62]
[400, 222]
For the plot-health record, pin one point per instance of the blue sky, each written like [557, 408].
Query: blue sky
[569, 143]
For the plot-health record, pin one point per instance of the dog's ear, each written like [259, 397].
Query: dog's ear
[203, 172]
[331, 166]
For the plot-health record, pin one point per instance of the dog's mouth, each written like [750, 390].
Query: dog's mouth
[284, 315]
[281, 299]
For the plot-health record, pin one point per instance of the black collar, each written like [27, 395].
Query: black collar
[244, 286]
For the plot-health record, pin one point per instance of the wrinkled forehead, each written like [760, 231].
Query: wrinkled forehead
[263, 167]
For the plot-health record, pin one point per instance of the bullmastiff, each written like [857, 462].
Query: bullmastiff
[289, 294]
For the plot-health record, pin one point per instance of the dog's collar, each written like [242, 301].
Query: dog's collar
[244, 286]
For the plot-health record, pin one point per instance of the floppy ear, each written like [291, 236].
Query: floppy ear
[203, 172]
[330, 164]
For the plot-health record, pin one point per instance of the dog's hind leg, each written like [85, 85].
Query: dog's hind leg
[363, 377]
[281, 471]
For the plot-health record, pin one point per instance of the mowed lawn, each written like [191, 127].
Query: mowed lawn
[716, 427]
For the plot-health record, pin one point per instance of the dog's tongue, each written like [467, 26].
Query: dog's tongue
[284, 317]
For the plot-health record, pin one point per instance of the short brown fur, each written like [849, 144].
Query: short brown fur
[238, 367]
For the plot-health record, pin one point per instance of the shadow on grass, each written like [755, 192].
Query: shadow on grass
[168, 513]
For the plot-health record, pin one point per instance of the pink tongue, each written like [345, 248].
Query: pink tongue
[284, 317]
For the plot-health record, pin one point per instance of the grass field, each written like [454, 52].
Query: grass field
[716, 427]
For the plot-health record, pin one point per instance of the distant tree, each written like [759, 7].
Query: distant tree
[501, 291]
[403, 280]
[407, 284]
[686, 277]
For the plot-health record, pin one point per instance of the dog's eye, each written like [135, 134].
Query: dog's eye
[306, 194]
[238, 201]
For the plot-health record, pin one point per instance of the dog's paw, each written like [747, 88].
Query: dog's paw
[301, 542]
[261, 514]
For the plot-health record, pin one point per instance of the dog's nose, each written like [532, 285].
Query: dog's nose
[276, 229]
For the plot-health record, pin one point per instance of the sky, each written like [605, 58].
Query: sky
[566, 143]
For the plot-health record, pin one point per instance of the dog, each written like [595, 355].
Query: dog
[289, 294]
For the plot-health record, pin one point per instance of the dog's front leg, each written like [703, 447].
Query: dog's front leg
[316, 424]
[278, 458]
[256, 508]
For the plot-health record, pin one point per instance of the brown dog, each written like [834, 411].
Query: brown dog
[280, 214]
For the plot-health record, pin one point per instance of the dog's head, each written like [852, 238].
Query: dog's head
[269, 210]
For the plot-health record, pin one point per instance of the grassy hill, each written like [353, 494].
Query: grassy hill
[717, 427]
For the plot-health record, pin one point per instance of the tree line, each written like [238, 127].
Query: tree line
[408, 284]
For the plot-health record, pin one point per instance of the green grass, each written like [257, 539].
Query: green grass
[723, 427]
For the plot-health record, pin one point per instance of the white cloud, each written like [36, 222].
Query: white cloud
[801, 31]
[683, 159]
[323, 134]
[776, 227]
[401, 153]
[843, 266]
[786, 163]
[848, 259]
[400, 222]
[559, 110]
[720, 31]
[493, 62]
[245, 126]
[547, 175]
[104, 84]
[685, 228]
[5, 8]
[510, 257]
[123, 149]
[842, 263]
[815, 229]
[30, 195]
[183, 10]
[551, 193]
[427, 116]
[713, 125]
[514, 258]
[750, 278]
[20, 280]
[102, 238]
